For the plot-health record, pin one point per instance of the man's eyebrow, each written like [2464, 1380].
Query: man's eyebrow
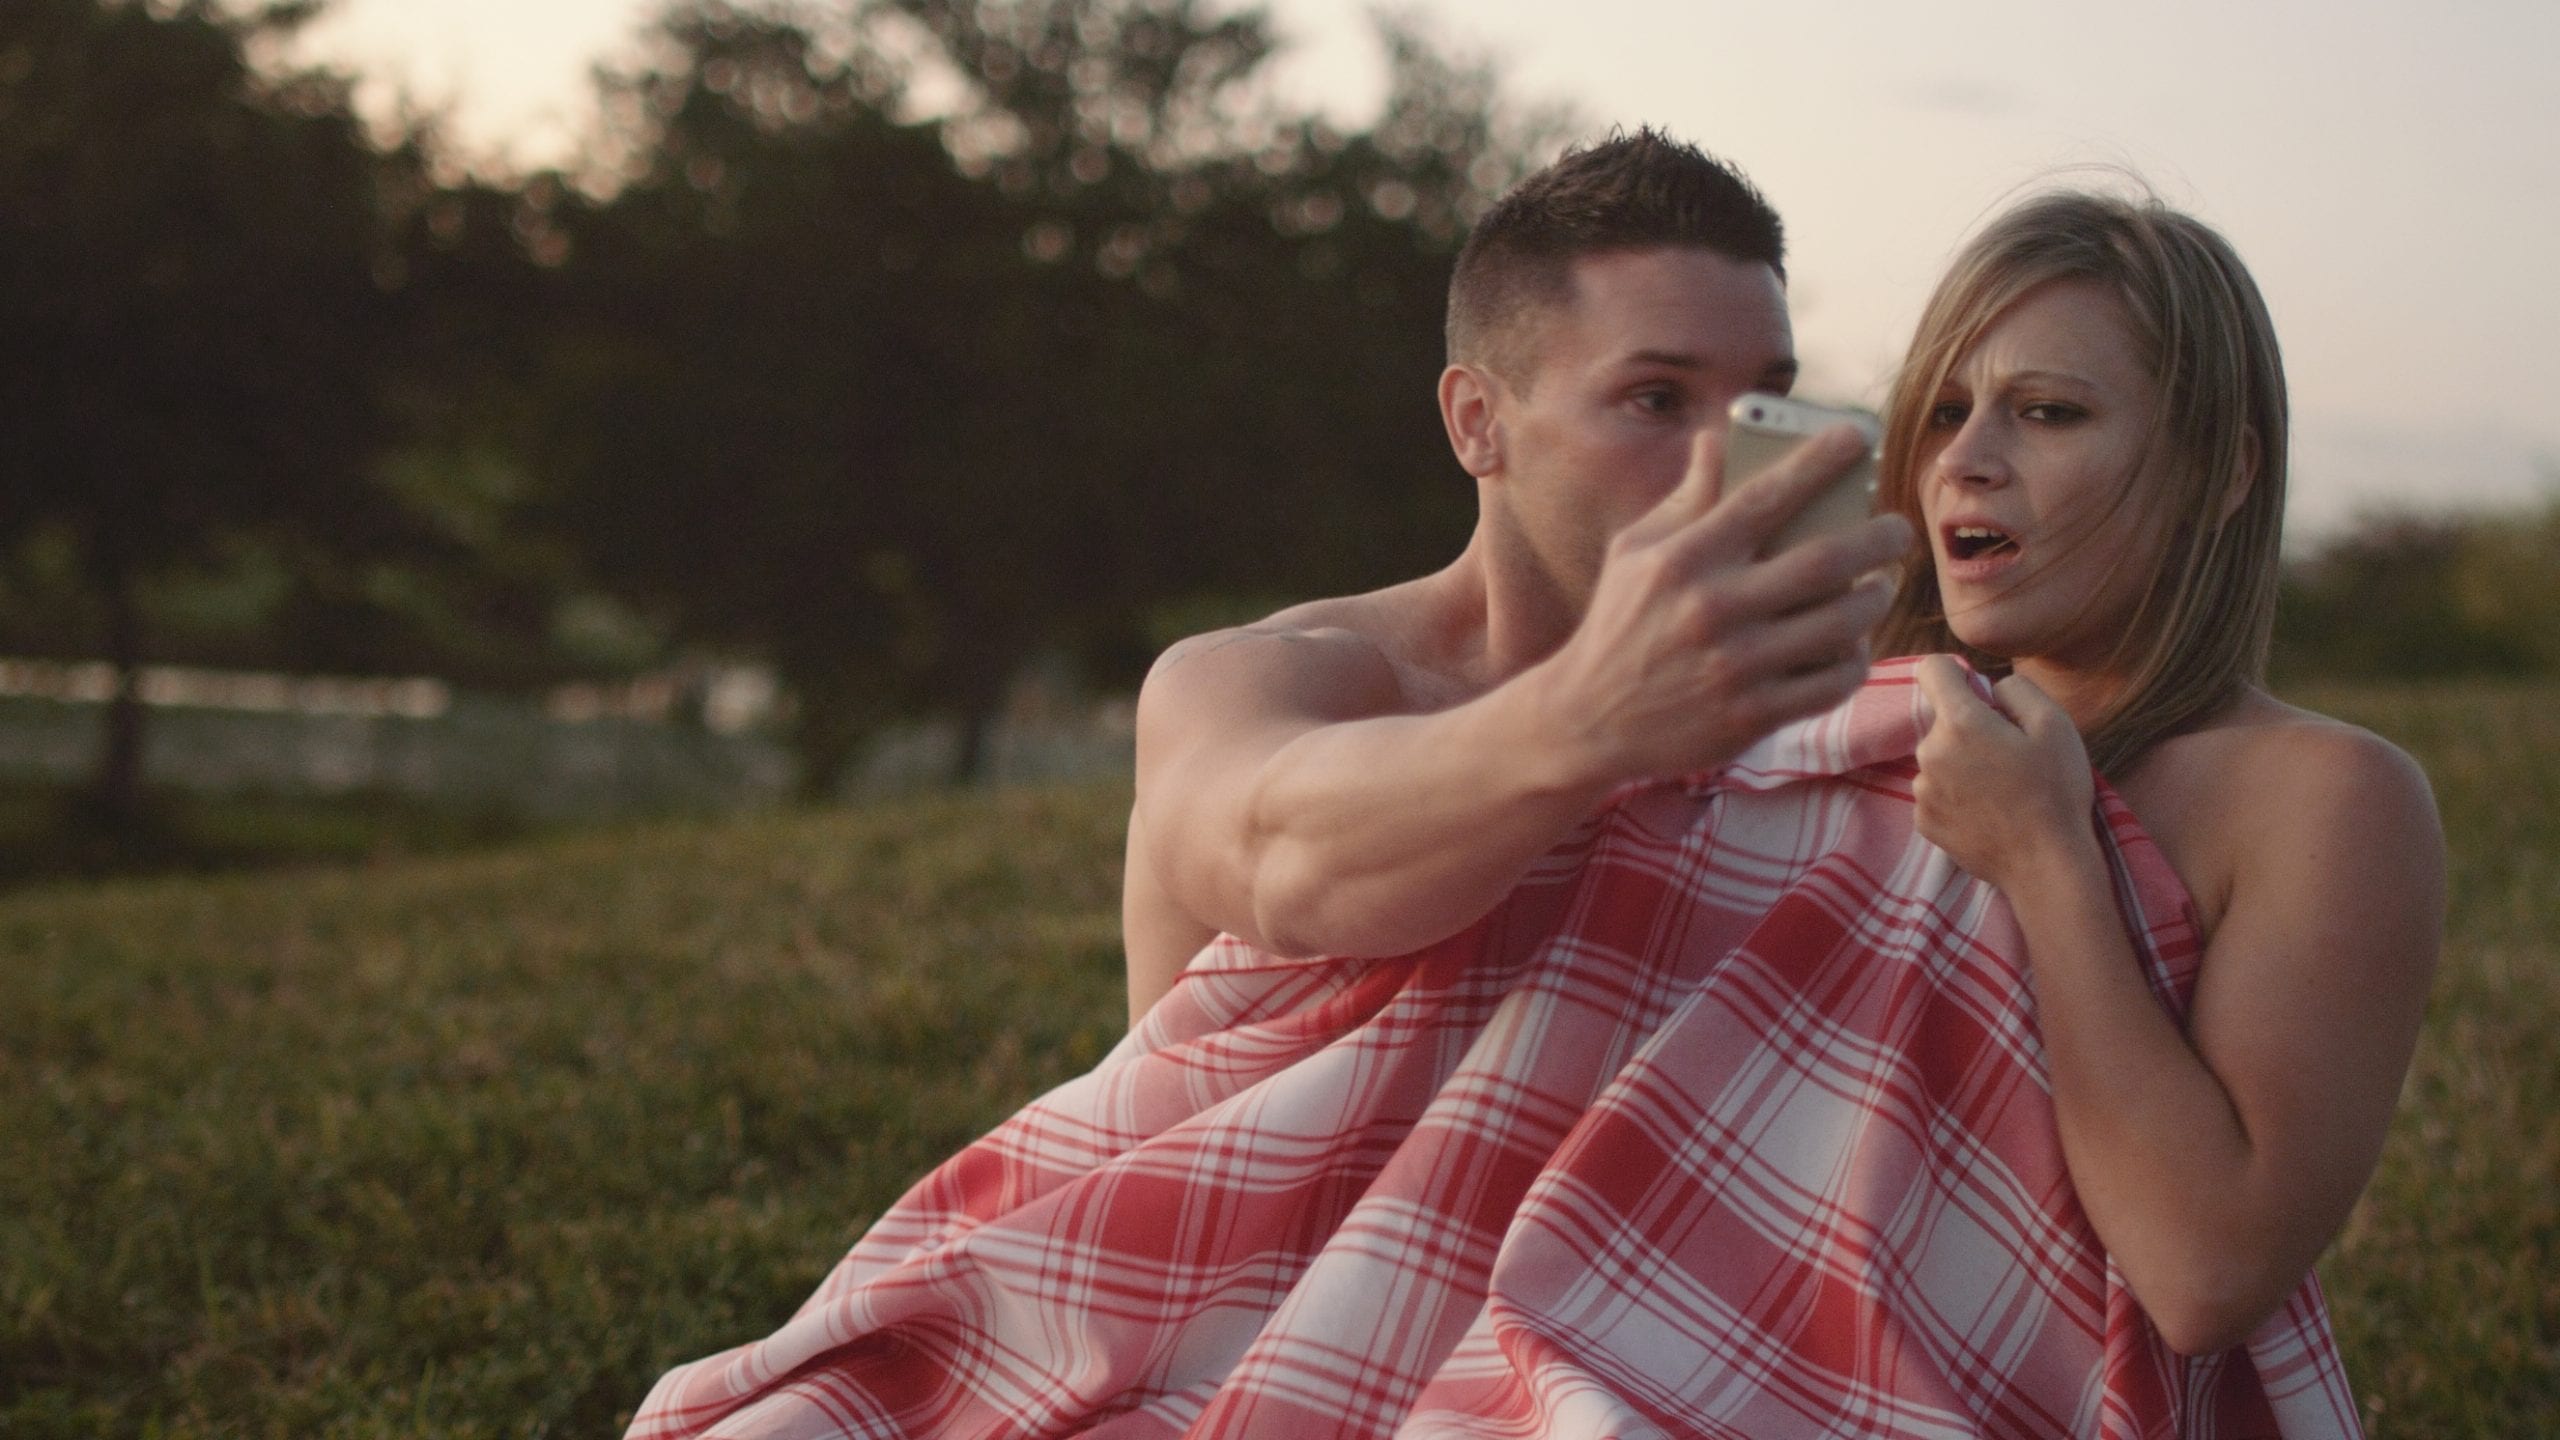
[1779, 371]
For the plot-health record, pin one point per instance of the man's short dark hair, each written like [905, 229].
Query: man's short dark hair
[1644, 191]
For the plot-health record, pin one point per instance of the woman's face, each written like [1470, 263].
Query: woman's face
[2024, 469]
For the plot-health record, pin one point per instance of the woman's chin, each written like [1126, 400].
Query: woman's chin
[1992, 642]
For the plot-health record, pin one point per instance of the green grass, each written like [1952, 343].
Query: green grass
[2446, 1285]
[476, 1146]
[53, 833]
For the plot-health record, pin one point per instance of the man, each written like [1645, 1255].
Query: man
[1367, 775]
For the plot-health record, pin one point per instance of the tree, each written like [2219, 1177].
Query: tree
[762, 324]
[1248, 301]
[901, 402]
[193, 303]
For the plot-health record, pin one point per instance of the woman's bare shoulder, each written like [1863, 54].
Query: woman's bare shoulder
[2272, 786]
[2271, 756]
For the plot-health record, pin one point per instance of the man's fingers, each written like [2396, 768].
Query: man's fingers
[1816, 636]
[1817, 572]
[1692, 498]
[1811, 692]
[1712, 529]
[1702, 484]
[1822, 568]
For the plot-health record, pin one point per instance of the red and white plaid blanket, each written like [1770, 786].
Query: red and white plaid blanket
[1731, 1121]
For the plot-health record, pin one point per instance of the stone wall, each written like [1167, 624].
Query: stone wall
[479, 754]
[486, 753]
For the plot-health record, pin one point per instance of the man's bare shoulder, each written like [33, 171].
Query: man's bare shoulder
[1337, 658]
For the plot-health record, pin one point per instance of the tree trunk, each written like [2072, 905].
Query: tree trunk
[830, 730]
[117, 789]
[978, 686]
[969, 760]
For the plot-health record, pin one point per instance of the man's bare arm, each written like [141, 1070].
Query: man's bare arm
[1288, 803]
[1288, 799]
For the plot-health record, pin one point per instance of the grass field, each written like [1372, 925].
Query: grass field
[476, 1146]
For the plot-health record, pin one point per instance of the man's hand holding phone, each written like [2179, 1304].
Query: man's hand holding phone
[1709, 628]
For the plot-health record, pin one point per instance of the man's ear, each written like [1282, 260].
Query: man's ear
[2251, 453]
[1471, 410]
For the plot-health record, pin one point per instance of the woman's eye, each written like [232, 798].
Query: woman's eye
[1946, 415]
[2050, 413]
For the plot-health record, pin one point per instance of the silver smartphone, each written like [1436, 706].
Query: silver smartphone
[1766, 427]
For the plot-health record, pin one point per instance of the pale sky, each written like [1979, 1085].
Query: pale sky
[2390, 172]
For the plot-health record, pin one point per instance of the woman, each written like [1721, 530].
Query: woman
[2089, 433]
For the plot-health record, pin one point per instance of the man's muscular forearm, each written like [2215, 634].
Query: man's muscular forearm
[1288, 796]
[1380, 836]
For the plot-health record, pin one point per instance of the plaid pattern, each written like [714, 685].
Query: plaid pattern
[1731, 1121]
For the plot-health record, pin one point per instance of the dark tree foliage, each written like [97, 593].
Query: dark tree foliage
[901, 403]
[2425, 596]
[193, 309]
[471, 277]
[767, 352]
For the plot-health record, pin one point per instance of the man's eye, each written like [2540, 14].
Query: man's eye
[1658, 401]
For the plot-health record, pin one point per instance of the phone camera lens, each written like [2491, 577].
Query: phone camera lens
[1756, 412]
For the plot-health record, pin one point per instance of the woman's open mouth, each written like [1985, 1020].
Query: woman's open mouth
[1976, 552]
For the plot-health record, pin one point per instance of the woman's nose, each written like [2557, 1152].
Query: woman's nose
[1973, 458]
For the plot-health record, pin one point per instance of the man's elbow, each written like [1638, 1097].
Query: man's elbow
[1289, 899]
[1304, 907]
[1292, 887]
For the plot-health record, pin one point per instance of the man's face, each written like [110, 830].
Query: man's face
[1648, 350]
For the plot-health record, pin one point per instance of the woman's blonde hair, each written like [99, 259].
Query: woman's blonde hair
[2213, 466]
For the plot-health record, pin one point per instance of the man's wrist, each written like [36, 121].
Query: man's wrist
[1548, 752]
